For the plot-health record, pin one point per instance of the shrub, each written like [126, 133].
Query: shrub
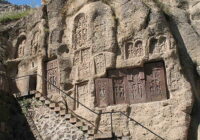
[12, 16]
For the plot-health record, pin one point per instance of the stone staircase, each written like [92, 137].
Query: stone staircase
[70, 117]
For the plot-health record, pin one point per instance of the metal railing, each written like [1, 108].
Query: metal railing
[97, 113]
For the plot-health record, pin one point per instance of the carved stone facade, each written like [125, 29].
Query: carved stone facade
[136, 85]
[117, 55]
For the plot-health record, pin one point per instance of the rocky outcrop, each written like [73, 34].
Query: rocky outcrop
[137, 57]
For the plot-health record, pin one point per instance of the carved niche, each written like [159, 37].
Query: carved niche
[99, 34]
[100, 63]
[21, 48]
[35, 43]
[81, 94]
[134, 85]
[82, 51]
[155, 81]
[104, 93]
[52, 76]
[156, 45]
[80, 31]
[84, 70]
[133, 49]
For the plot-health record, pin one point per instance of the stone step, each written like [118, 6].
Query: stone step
[79, 124]
[90, 132]
[103, 136]
[42, 99]
[49, 96]
[68, 116]
[57, 109]
[63, 113]
[85, 128]
[38, 95]
[73, 120]
[52, 105]
[47, 102]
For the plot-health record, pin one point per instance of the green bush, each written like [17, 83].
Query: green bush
[12, 16]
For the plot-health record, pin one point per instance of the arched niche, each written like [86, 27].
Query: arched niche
[21, 43]
[80, 31]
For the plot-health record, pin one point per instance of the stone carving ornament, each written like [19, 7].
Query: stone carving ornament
[21, 48]
[80, 31]
[157, 44]
[35, 43]
[133, 49]
[134, 85]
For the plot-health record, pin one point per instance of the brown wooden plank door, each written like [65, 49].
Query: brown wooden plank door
[135, 86]
[52, 76]
[155, 81]
[104, 92]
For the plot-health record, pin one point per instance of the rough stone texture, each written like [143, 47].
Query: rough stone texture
[13, 123]
[48, 125]
[87, 38]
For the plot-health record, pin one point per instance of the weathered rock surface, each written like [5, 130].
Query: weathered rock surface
[135, 56]
[47, 125]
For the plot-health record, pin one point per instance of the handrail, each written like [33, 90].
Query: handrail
[97, 113]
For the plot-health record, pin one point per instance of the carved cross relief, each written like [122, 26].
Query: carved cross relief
[133, 49]
[99, 34]
[21, 48]
[135, 85]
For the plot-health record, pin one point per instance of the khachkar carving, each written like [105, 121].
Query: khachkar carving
[155, 81]
[136, 85]
[82, 60]
[99, 35]
[53, 77]
[81, 93]
[81, 56]
[35, 43]
[21, 48]
[84, 70]
[133, 49]
[132, 85]
[156, 45]
[104, 92]
[80, 31]
[100, 63]
[119, 90]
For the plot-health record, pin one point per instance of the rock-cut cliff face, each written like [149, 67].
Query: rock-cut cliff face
[139, 57]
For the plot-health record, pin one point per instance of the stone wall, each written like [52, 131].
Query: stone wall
[46, 124]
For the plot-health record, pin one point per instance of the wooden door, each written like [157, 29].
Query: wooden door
[104, 92]
[52, 76]
[155, 81]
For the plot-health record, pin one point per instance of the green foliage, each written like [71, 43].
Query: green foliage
[12, 16]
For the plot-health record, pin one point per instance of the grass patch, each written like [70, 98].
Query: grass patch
[12, 16]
